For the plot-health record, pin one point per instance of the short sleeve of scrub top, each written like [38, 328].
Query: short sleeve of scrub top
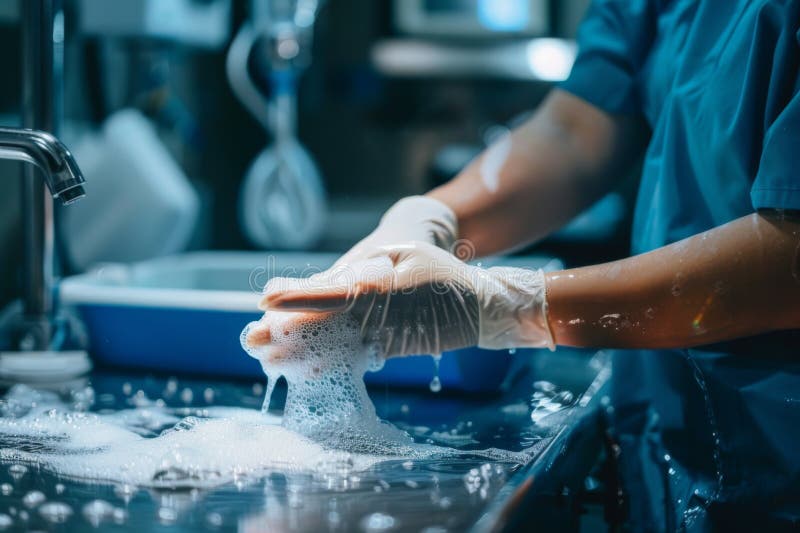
[614, 40]
[777, 183]
[717, 82]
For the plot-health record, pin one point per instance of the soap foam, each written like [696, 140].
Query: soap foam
[323, 361]
[329, 423]
[194, 452]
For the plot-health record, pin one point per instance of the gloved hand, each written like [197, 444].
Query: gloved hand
[415, 218]
[415, 298]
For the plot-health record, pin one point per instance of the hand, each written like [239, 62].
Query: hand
[415, 298]
[311, 343]
[415, 218]
[283, 337]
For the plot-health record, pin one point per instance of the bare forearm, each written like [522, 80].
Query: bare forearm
[736, 280]
[539, 177]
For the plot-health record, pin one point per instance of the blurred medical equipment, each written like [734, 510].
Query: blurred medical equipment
[36, 333]
[283, 202]
[205, 24]
[471, 18]
[540, 59]
[507, 39]
[132, 174]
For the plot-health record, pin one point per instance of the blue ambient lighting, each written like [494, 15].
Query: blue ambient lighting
[504, 15]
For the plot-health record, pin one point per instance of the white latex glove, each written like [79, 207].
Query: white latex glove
[415, 218]
[415, 298]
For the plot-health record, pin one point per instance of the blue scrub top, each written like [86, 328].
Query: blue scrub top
[718, 81]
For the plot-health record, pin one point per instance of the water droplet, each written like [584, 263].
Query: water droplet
[119, 515]
[436, 384]
[6, 489]
[97, 511]
[408, 465]
[295, 498]
[60, 488]
[472, 480]
[17, 471]
[33, 498]
[716, 454]
[445, 503]
[258, 389]
[127, 388]
[171, 387]
[377, 522]
[512, 351]
[125, 492]
[214, 519]
[208, 395]
[167, 515]
[411, 484]
[140, 399]
[5, 521]
[55, 512]
[187, 395]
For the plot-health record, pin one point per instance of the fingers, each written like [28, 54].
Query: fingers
[320, 300]
[278, 343]
[330, 291]
[259, 335]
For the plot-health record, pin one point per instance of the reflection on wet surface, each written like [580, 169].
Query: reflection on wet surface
[340, 492]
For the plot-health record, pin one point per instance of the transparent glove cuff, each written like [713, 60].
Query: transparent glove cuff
[513, 309]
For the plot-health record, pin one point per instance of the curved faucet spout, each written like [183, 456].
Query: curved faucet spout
[61, 173]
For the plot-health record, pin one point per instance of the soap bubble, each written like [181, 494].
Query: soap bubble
[97, 511]
[17, 471]
[378, 522]
[55, 512]
[33, 498]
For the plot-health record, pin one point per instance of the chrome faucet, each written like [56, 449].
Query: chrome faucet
[59, 169]
[42, 66]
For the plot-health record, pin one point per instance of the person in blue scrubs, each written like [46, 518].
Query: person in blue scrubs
[705, 315]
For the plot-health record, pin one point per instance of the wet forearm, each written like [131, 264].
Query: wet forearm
[736, 280]
[540, 176]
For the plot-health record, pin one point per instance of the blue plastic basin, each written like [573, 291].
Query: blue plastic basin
[185, 314]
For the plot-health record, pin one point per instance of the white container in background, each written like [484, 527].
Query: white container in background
[139, 203]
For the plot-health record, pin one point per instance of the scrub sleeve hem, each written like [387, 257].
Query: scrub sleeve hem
[774, 198]
[603, 84]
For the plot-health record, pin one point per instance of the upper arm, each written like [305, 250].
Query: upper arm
[600, 104]
[602, 144]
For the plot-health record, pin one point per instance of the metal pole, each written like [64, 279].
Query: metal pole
[37, 206]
